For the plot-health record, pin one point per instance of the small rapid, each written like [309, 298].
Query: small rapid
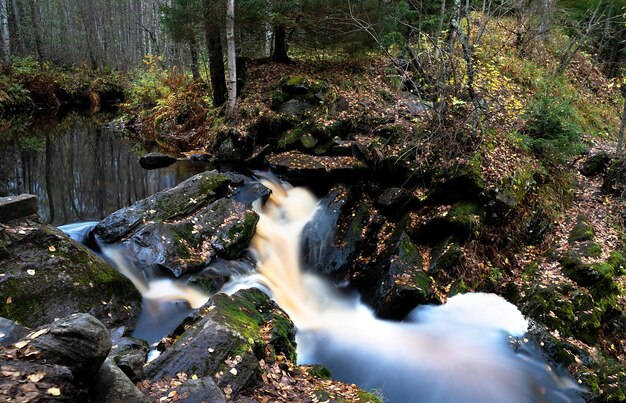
[458, 352]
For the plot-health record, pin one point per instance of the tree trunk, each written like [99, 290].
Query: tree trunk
[280, 44]
[620, 136]
[216, 55]
[36, 31]
[18, 27]
[232, 58]
[4, 23]
[193, 49]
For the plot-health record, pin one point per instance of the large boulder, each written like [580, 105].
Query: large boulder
[595, 164]
[224, 229]
[170, 204]
[615, 177]
[111, 385]
[227, 340]
[46, 275]
[30, 381]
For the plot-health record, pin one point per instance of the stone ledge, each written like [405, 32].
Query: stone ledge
[13, 207]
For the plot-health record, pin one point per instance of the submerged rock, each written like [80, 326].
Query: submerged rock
[156, 160]
[170, 204]
[230, 336]
[46, 275]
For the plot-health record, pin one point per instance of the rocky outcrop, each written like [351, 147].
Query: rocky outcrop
[46, 275]
[227, 340]
[303, 168]
[170, 204]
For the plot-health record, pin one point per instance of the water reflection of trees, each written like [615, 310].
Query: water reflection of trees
[78, 169]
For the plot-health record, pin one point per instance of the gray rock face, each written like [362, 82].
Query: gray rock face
[79, 342]
[13, 207]
[111, 385]
[156, 160]
[10, 332]
[46, 275]
[29, 381]
[170, 204]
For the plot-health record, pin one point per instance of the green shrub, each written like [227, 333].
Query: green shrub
[550, 124]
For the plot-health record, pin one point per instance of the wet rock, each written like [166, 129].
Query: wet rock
[332, 239]
[582, 231]
[406, 284]
[615, 177]
[303, 168]
[227, 340]
[13, 207]
[29, 381]
[595, 164]
[394, 200]
[79, 342]
[11, 332]
[111, 385]
[461, 221]
[46, 275]
[129, 354]
[156, 160]
[184, 199]
[200, 390]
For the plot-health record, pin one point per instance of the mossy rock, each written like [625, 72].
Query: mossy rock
[231, 332]
[170, 204]
[549, 306]
[445, 257]
[589, 249]
[467, 218]
[458, 183]
[269, 129]
[615, 178]
[406, 284]
[300, 85]
[222, 229]
[46, 275]
[585, 274]
[582, 231]
[308, 141]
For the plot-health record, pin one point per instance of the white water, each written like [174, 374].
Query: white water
[457, 352]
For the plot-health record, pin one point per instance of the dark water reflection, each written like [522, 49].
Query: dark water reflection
[79, 169]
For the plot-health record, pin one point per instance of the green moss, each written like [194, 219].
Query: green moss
[308, 141]
[239, 235]
[590, 249]
[319, 371]
[288, 140]
[467, 217]
[582, 231]
[368, 397]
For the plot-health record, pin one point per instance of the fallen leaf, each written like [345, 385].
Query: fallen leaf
[31, 272]
[54, 391]
[22, 344]
[9, 300]
[52, 248]
[37, 376]
[39, 333]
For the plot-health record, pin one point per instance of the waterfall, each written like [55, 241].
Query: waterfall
[458, 352]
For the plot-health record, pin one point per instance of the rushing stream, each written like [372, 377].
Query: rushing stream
[462, 351]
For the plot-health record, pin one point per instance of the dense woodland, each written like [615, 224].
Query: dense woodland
[458, 146]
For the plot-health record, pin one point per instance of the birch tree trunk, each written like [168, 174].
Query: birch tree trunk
[4, 22]
[232, 58]
[620, 136]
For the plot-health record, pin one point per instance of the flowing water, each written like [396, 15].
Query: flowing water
[457, 352]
